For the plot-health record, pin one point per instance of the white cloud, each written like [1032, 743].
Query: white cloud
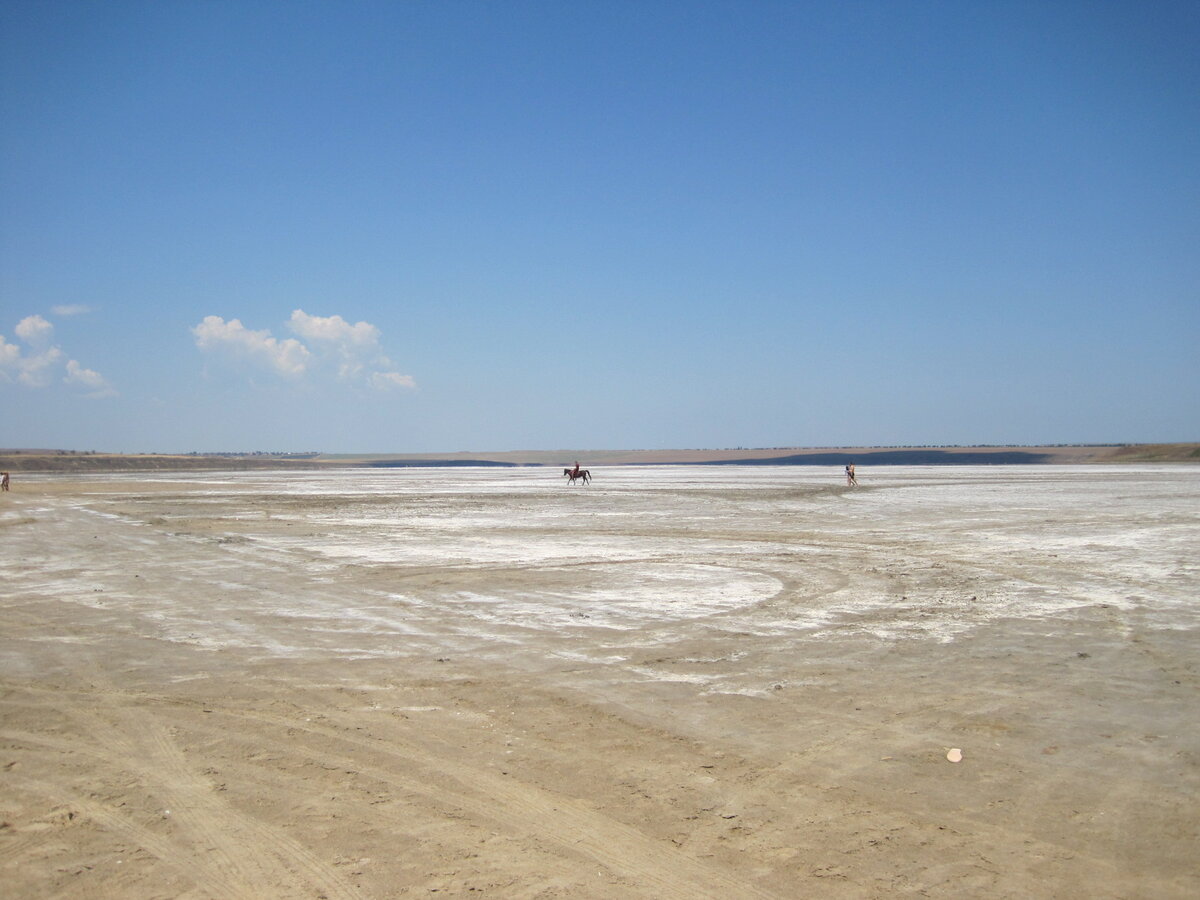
[354, 347]
[35, 331]
[96, 384]
[384, 381]
[70, 309]
[334, 330]
[351, 353]
[9, 354]
[288, 357]
[40, 363]
[39, 369]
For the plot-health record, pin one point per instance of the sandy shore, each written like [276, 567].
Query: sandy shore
[69, 461]
[672, 683]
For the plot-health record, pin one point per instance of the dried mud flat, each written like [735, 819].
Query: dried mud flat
[675, 682]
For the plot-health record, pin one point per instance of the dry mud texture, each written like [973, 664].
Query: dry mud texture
[671, 683]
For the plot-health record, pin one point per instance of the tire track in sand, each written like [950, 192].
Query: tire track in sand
[240, 855]
[194, 868]
[555, 819]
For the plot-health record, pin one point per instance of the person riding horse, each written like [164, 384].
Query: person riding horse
[577, 473]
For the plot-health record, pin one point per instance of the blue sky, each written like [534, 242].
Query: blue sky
[426, 226]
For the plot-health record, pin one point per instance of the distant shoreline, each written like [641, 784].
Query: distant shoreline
[84, 462]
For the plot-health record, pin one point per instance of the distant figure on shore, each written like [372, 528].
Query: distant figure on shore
[851, 479]
[4, 481]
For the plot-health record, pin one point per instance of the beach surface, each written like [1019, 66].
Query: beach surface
[675, 682]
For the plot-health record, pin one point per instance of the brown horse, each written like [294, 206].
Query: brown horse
[583, 474]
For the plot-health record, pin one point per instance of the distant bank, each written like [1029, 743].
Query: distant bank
[74, 461]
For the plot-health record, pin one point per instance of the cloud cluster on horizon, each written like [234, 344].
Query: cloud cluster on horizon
[41, 363]
[353, 351]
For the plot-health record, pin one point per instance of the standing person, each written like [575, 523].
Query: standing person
[853, 477]
[849, 476]
[4, 481]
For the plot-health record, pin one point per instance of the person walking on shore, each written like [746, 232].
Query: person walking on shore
[3, 481]
[851, 480]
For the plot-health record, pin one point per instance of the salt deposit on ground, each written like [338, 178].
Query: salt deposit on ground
[830, 644]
